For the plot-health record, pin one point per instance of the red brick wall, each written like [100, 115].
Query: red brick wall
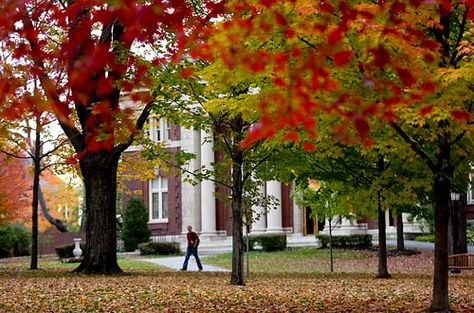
[173, 226]
[470, 211]
[175, 132]
[286, 206]
[51, 239]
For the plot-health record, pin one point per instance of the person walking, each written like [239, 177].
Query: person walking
[193, 242]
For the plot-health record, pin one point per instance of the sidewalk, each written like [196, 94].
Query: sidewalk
[411, 244]
[177, 262]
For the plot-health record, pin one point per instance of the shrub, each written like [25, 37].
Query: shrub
[66, 252]
[349, 241]
[164, 248]
[252, 242]
[470, 235]
[14, 241]
[135, 225]
[268, 242]
[426, 238]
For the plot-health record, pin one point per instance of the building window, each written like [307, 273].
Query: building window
[159, 199]
[159, 130]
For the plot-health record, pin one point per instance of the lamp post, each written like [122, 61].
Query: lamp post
[454, 220]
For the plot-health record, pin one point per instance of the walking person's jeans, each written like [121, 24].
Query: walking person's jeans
[192, 251]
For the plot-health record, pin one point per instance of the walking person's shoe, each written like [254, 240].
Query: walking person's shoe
[183, 270]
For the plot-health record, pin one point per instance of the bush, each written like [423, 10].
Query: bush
[349, 241]
[66, 252]
[269, 242]
[164, 248]
[426, 238]
[14, 241]
[470, 235]
[135, 225]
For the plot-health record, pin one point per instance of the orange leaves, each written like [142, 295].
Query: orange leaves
[426, 110]
[428, 87]
[335, 35]
[14, 186]
[268, 3]
[280, 19]
[342, 58]
[325, 6]
[381, 56]
[460, 115]
[186, 73]
[405, 77]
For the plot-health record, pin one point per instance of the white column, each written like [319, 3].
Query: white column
[208, 202]
[405, 217]
[345, 222]
[387, 219]
[188, 191]
[274, 213]
[258, 225]
[297, 218]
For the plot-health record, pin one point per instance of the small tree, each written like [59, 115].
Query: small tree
[135, 229]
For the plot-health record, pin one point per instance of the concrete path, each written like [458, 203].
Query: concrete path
[177, 262]
[411, 244]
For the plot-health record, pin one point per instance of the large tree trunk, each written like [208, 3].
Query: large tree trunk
[400, 239]
[99, 171]
[440, 276]
[382, 268]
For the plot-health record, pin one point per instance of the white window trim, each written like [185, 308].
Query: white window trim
[161, 125]
[470, 191]
[160, 191]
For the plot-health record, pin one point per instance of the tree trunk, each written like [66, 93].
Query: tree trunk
[51, 219]
[34, 204]
[400, 239]
[331, 261]
[462, 223]
[451, 218]
[382, 268]
[440, 276]
[99, 171]
[237, 276]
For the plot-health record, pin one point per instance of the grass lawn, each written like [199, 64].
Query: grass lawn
[296, 260]
[280, 282]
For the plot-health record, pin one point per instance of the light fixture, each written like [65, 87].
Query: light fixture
[455, 196]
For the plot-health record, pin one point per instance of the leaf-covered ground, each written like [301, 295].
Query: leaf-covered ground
[55, 289]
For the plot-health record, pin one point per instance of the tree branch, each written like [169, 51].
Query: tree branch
[413, 145]
[138, 126]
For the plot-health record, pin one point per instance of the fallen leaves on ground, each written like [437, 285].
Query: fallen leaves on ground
[58, 290]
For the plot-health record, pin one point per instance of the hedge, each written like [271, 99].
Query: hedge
[165, 248]
[268, 242]
[14, 241]
[349, 241]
